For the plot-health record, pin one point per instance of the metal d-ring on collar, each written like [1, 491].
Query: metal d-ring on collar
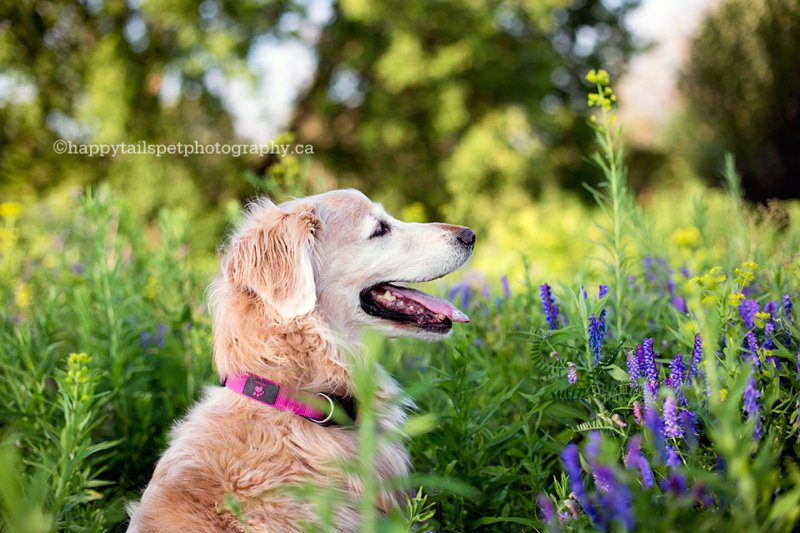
[330, 414]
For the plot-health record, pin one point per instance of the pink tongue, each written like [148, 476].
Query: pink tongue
[435, 305]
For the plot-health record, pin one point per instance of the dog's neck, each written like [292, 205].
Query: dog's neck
[301, 352]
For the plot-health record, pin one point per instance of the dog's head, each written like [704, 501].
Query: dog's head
[343, 255]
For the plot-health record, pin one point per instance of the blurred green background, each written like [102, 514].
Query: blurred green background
[442, 110]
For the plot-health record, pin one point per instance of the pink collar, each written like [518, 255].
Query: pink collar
[307, 405]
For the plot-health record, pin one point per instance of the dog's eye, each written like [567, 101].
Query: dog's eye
[381, 230]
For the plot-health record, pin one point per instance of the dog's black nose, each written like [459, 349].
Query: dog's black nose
[467, 236]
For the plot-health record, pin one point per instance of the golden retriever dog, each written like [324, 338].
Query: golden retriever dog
[298, 282]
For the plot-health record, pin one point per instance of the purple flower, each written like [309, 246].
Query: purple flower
[673, 460]
[593, 447]
[679, 303]
[603, 291]
[769, 330]
[648, 365]
[697, 357]
[596, 335]
[633, 369]
[546, 508]
[634, 460]
[675, 483]
[506, 287]
[688, 424]
[572, 464]
[465, 290]
[752, 408]
[677, 372]
[748, 310]
[685, 272]
[771, 307]
[617, 497]
[77, 268]
[798, 365]
[787, 307]
[656, 426]
[572, 373]
[752, 347]
[647, 263]
[549, 305]
[671, 427]
[603, 478]
[144, 339]
[160, 335]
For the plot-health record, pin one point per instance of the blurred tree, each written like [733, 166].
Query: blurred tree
[743, 84]
[451, 103]
[123, 71]
[440, 102]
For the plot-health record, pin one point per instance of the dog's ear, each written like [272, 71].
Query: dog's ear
[273, 258]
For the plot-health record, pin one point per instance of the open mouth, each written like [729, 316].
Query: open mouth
[410, 306]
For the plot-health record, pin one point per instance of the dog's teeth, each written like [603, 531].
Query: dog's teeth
[440, 316]
[401, 305]
[388, 296]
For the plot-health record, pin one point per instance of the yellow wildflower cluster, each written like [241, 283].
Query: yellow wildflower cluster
[761, 318]
[746, 274]
[598, 77]
[688, 237]
[710, 279]
[735, 299]
[77, 366]
[602, 99]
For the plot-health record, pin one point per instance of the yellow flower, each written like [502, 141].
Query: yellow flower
[723, 394]
[743, 277]
[23, 296]
[761, 318]
[687, 236]
[10, 209]
[151, 289]
[735, 299]
[750, 265]
[597, 77]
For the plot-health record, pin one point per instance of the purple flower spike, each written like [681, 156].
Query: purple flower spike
[572, 373]
[673, 460]
[546, 508]
[752, 408]
[697, 357]
[748, 310]
[617, 498]
[603, 291]
[506, 287]
[603, 478]
[572, 464]
[752, 347]
[656, 426]
[634, 460]
[596, 336]
[769, 331]
[688, 425]
[677, 371]
[675, 483]
[772, 309]
[549, 305]
[787, 307]
[649, 365]
[633, 369]
[671, 427]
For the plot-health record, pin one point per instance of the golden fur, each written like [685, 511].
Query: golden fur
[285, 307]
